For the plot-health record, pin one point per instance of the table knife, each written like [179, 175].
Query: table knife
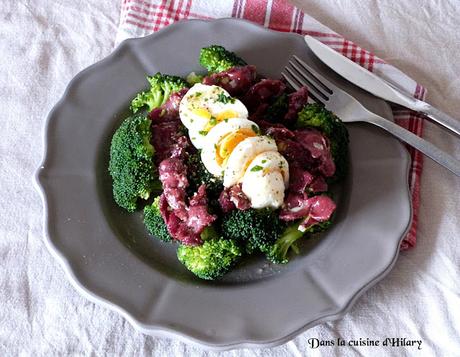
[379, 87]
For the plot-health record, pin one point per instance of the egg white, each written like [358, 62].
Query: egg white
[266, 180]
[200, 104]
[270, 161]
[215, 135]
[264, 190]
[243, 154]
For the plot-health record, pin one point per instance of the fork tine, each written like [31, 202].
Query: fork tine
[296, 86]
[312, 89]
[326, 84]
[306, 76]
[291, 81]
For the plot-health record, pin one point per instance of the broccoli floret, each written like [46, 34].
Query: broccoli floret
[131, 164]
[154, 222]
[217, 59]
[278, 252]
[161, 87]
[317, 117]
[210, 260]
[256, 228]
[198, 175]
[278, 109]
[194, 78]
[209, 233]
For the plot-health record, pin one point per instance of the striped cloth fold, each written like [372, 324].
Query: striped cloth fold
[142, 17]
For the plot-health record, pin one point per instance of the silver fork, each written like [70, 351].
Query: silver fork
[297, 73]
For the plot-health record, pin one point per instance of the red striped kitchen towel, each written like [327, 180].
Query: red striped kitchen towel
[142, 17]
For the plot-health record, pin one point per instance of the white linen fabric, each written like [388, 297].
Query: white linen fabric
[43, 44]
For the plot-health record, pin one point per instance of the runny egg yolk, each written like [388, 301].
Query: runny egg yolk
[212, 121]
[202, 112]
[226, 114]
[225, 147]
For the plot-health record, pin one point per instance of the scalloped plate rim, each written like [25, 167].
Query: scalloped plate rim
[158, 330]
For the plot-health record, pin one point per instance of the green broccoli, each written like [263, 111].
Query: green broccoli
[161, 87]
[210, 260]
[263, 230]
[217, 59]
[209, 233]
[194, 78]
[256, 228]
[318, 117]
[199, 175]
[131, 164]
[278, 251]
[154, 222]
[278, 109]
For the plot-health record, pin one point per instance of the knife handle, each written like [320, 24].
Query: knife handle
[441, 118]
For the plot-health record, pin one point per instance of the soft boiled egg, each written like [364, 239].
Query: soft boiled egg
[243, 154]
[205, 106]
[232, 147]
[222, 140]
[266, 179]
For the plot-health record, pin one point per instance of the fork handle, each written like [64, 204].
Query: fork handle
[418, 143]
[442, 118]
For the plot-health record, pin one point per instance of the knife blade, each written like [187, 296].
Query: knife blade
[376, 85]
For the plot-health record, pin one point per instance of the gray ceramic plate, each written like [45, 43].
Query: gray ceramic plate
[110, 258]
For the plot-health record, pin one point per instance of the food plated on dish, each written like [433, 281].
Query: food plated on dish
[228, 163]
[111, 259]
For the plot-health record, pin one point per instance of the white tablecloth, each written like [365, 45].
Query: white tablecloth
[43, 44]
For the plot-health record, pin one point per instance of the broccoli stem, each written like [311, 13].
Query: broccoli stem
[287, 240]
[278, 252]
